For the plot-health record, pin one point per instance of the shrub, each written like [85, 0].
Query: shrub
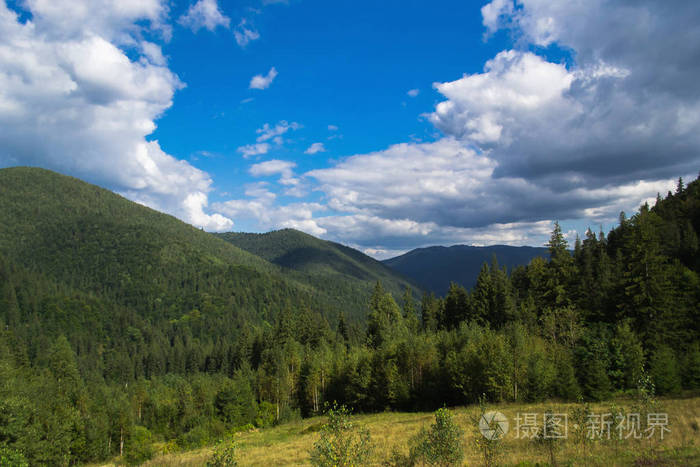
[224, 454]
[341, 444]
[442, 444]
[139, 447]
[266, 415]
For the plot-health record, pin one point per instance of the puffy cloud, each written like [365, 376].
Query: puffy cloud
[71, 100]
[332, 127]
[315, 148]
[413, 92]
[272, 167]
[628, 110]
[447, 184]
[113, 21]
[254, 149]
[494, 13]
[528, 140]
[260, 207]
[263, 81]
[204, 14]
[244, 33]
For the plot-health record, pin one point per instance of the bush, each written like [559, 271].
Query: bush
[195, 438]
[341, 444]
[266, 415]
[442, 444]
[139, 447]
[224, 455]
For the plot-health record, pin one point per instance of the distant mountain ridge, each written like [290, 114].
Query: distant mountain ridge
[335, 264]
[435, 267]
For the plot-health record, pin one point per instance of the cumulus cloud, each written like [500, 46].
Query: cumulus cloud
[315, 148]
[450, 185]
[272, 167]
[413, 92]
[629, 108]
[113, 21]
[263, 81]
[528, 140]
[71, 100]
[204, 14]
[256, 149]
[244, 33]
[332, 127]
[261, 208]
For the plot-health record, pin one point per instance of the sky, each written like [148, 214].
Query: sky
[385, 126]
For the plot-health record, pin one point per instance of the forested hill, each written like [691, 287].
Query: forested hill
[323, 260]
[435, 267]
[86, 238]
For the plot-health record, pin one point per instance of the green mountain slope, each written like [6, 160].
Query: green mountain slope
[435, 267]
[321, 262]
[86, 239]
[89, 239]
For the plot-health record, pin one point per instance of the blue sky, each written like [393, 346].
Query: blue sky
[383, 125]
[347, 64]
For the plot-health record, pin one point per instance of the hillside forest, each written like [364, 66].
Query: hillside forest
[114, 335]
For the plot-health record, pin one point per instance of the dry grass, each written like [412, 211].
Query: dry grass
[289, 444]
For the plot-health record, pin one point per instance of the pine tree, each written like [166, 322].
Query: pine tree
[456, 306]
[342, 329]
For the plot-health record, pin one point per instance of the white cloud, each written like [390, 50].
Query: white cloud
[263, 81]
[254, 149]
[244, 33]
[268, 131]
[71, 100]
[413, 92]
[204, 14]
[372, 234]
[445, 184]
[114, 21]
[272, 167]
[631, 95]
[494, 13]
[268, 135]
[194, 204]
[153, 53]
[332, 128]
[515, 87]
[260, 207]
[314, 148]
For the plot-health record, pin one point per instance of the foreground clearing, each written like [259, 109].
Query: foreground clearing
[289, 444]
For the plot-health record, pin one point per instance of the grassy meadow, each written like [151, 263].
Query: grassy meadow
[289, 444]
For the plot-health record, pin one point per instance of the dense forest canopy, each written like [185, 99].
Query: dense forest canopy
[120, 324]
